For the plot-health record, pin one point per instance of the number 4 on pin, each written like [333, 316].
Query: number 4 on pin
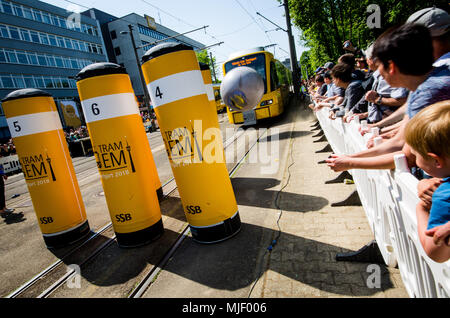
[158, 92]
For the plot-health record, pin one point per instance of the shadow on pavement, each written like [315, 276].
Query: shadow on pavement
[257, 192]
[236, 263]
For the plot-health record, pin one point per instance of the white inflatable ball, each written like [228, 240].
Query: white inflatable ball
[242, 89]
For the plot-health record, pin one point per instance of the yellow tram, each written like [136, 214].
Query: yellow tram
[277, 82]
[219, 102]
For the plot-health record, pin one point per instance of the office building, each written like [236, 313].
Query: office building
[44, 46]
[145, 32]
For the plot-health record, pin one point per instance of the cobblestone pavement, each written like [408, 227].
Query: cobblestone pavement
[303, 264]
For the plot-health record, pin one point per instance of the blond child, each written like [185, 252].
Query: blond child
[428, 135]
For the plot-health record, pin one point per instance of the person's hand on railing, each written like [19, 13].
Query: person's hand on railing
[318, 106]
[331, 115]
[440, 234]
[338, 162]
[426, 188]
[365, 130]
[371, 142]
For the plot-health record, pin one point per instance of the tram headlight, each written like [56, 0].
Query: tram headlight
[266, 102]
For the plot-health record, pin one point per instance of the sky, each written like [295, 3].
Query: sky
[233, 22]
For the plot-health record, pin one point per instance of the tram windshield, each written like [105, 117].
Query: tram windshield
[255, 61]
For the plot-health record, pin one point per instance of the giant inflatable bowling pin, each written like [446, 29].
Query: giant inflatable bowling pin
[122, 151]
[37, 133]
[187, 120]
[206, 75]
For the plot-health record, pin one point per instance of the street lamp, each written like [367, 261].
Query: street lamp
[138, 64]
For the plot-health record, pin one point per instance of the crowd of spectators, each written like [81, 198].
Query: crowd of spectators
[150, 118]
[76, 134]
[400, 84]
[7, 149]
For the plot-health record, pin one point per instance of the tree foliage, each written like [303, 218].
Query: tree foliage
[326, 24]
[203, 57]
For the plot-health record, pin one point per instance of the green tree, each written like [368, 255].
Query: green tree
[326, 24]
[203, 57]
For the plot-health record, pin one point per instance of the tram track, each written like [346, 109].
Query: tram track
[145, 283]
[50, 279]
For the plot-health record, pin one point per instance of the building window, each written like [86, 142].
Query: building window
[65, 82]
[42, 60]
[19, 82]
[4, 31]
[37, 15]
[113, 34]
[25, 35]
[18, 11]
[12, 58]
[117, 51]
[34, 37]
[68, 44]
[39, 81]
[14, 33]
[33, 59]
[44, 38]
[27, 13]
[7, 82]
[29, 82]
[52, 40]
[48, 82]
[51, 61]
[46, 18]
[22, 57]
[59, 62]
[61, 42]
[7, 7]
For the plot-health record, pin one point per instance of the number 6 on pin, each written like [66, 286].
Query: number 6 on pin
[122, 151]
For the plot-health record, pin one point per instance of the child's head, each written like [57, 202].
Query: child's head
[428, 134]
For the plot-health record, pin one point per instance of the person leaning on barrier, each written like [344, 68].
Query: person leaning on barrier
[335, 95]
[402, 63]
[382, 99]
[321, 91]
[428, 135]
[342, 77]
[350, 60]
[438, 23]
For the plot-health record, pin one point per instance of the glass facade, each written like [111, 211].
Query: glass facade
[22, 34]
[16, 81]
[22, 11]
[156, 35]
[40, 59]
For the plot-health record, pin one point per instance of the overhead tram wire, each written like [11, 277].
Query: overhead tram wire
[179, 19]
[80, 5]
[265, 31]
[187, 23]
[254, 20]
[236, 31]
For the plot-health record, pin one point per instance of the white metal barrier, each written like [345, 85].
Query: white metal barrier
[389, 199]
[11, 163]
